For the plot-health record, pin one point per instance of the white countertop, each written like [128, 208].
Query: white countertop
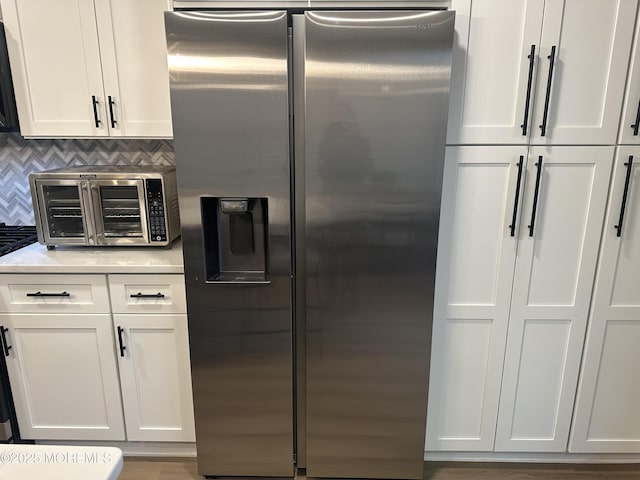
[37, 259]
[30, 462]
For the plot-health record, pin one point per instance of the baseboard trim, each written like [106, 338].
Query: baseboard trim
[138, 449]
[531, 457]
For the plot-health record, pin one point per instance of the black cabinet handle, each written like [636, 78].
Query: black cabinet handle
[517, 198]
[535, 196]
[113, 117]
[95, 102]
[122, 347]
[627, 180]
[147, 295]
[525, 122]
[552, 60]
[40, 294]
[636, 125]
[5, 346]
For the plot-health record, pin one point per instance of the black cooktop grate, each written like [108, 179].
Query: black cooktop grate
[15, 237]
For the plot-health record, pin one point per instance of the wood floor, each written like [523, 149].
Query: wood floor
[186, 469]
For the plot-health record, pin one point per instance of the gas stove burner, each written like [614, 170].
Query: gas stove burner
[15, 237]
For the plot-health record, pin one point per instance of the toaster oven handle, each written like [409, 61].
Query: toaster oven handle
[97, 221]
[89, 224]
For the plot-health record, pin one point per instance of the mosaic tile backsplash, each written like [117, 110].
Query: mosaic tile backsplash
[20, 157]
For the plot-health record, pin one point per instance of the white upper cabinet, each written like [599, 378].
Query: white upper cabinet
[476, 256]
[630, 124]
[492, 71]
[564, 201]
[55, 63]
[99, 69]
[585, 50]
[134, 61]
[607, 417]
[530, 71]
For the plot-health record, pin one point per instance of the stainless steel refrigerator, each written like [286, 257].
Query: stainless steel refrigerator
[309, 150]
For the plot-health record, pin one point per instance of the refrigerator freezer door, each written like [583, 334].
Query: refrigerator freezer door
[229, 101]
[376, 92]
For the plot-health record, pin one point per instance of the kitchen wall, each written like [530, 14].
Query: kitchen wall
[20, 157]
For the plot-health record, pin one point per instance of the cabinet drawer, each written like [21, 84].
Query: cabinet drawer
[52, 293]
[147, 294]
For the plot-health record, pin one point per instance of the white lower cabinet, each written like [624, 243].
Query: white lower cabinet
[607, 415]
[63, 376]
[63, 364]
[155, 375]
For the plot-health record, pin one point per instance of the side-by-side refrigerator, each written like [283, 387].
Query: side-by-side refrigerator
[309, 150]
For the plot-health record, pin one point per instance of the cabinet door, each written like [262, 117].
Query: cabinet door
[155, 374]
[551, 294]
[55, 62]
[607, 417]
[582, 94]
[134, 61]
[490, 70]
[630, 125]
[476, 256]
[63, 375]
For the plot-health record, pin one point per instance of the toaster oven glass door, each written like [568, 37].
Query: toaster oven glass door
[63, 214]
[120, 211]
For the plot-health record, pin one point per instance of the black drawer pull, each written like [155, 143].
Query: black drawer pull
[629, 165]
[517, 198]
[122, 347]
[527, 101]
[5, 346]
[95, 102]
[535, 196]
[147, 295]
[40, 294]
[636, 125]
[545, 114]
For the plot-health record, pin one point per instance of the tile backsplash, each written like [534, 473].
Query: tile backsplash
[20, 157]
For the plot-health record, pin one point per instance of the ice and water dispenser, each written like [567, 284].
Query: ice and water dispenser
[235, 239]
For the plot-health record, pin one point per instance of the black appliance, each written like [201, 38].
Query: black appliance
[8, 112]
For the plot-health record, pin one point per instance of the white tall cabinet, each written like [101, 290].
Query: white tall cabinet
[555, 265]
[512, 294]
[490, 74]
[519, 65]
[545, 80]
[607, 416]
[84, 68]
[476, 258]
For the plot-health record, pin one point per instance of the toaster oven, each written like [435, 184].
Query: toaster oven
[106, 205]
